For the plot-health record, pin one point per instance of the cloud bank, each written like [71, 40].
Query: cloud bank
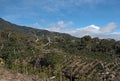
[107, 31]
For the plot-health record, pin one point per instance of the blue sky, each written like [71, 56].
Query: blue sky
[77, 17]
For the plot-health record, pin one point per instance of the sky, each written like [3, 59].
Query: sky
[97, 18]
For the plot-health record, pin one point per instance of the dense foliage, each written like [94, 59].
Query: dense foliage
[56, 56]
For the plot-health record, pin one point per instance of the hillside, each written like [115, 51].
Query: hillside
[58, 57]
[28, 30]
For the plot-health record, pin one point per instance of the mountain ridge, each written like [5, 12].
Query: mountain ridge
[29, 30]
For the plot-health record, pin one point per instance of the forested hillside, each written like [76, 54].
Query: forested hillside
[58, 57]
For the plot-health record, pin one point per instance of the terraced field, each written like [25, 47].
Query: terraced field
[76, 67]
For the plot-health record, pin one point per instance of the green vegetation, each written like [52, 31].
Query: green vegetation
[58, 57]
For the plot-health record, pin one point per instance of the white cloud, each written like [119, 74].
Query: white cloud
[96, 31]
[109, 28]
[92, 30]
[82, 31]
[60, 26]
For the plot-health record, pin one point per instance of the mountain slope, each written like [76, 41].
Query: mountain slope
[58, 57]
[28, 30]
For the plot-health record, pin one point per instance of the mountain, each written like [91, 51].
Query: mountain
[28, 30]
[54, 56]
